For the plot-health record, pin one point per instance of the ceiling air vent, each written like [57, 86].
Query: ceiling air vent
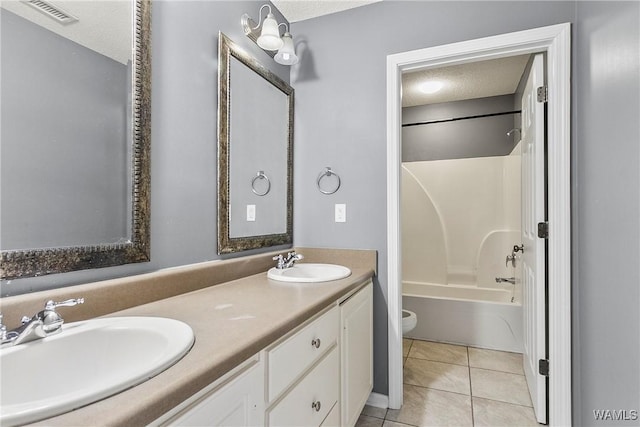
[53, 12]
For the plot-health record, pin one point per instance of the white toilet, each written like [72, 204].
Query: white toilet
[409, 321]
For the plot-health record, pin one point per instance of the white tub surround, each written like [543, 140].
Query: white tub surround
[460, 218]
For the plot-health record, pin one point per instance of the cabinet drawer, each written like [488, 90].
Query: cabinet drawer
[333, 419]
[313, 398]
[292, 357]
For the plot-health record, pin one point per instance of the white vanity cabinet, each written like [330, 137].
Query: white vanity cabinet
[237, 399]
[320, 374]
[311, 400]
[328, 365]
[291, 358]
[356, 349]
[303, 373]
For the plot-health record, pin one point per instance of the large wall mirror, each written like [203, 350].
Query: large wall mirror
[255, 153]
[75, 137]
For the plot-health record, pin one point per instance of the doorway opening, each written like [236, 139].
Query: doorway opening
[554, 42]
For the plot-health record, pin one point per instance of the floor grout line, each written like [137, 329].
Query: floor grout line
[438, 389]
[437, 361]
[496, 370]
[473, 421]
[502, 401]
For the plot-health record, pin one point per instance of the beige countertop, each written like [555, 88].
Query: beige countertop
[231, 322]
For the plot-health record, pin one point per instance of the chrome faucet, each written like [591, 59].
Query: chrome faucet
[287, 262]
[511, 280]
[43, 324]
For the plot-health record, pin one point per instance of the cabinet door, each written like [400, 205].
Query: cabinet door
[237, 403]
[356, 353]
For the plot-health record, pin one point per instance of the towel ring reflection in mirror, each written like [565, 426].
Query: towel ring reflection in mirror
[328, 173]
[260, 176]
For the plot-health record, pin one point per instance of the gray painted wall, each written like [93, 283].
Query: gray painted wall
[184, 137]
[606, 209]
[340, 121]
[64, 151]
[460, 139]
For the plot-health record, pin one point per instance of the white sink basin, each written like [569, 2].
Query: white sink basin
[86, 362]
[307, 273]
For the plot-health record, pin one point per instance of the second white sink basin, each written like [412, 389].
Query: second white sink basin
[86, 362]
[309, 272]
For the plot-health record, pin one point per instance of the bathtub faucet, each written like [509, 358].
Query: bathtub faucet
[511, 280]
[512, 258]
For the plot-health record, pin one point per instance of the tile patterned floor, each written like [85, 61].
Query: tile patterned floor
[453, 385]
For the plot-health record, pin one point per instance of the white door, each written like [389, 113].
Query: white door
[533, 256]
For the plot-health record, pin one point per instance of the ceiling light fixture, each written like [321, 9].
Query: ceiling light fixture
[431, 86]
[269, 38]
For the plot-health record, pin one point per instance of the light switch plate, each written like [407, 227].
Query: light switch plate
[341, 212]
[251, 213]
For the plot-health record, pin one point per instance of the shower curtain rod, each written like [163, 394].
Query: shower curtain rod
[462, 118]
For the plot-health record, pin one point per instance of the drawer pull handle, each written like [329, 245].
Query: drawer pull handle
[316, 343]
[316, 405]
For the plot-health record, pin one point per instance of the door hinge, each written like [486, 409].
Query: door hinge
[543, 367]
[543, 230]
[543, 93]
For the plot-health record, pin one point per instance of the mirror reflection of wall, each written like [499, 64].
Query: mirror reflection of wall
[76, 136]
[65, 135]
[257, 142]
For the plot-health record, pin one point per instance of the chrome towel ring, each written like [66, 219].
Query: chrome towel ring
[260, 175]
[328, 172]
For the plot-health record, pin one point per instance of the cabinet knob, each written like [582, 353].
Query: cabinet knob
[316, 343]
[316, 405]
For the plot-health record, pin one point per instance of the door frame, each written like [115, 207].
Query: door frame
[555, 41]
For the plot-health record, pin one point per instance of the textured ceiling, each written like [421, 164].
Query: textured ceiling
[466, 81]
[103, 26]
[299, 10]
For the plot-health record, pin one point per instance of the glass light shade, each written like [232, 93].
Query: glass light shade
[270, 36]
[287, 54]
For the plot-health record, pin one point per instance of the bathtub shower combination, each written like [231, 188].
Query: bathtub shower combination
[464, 315]
[461, 277]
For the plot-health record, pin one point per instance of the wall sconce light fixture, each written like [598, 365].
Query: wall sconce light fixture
[267, 35]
